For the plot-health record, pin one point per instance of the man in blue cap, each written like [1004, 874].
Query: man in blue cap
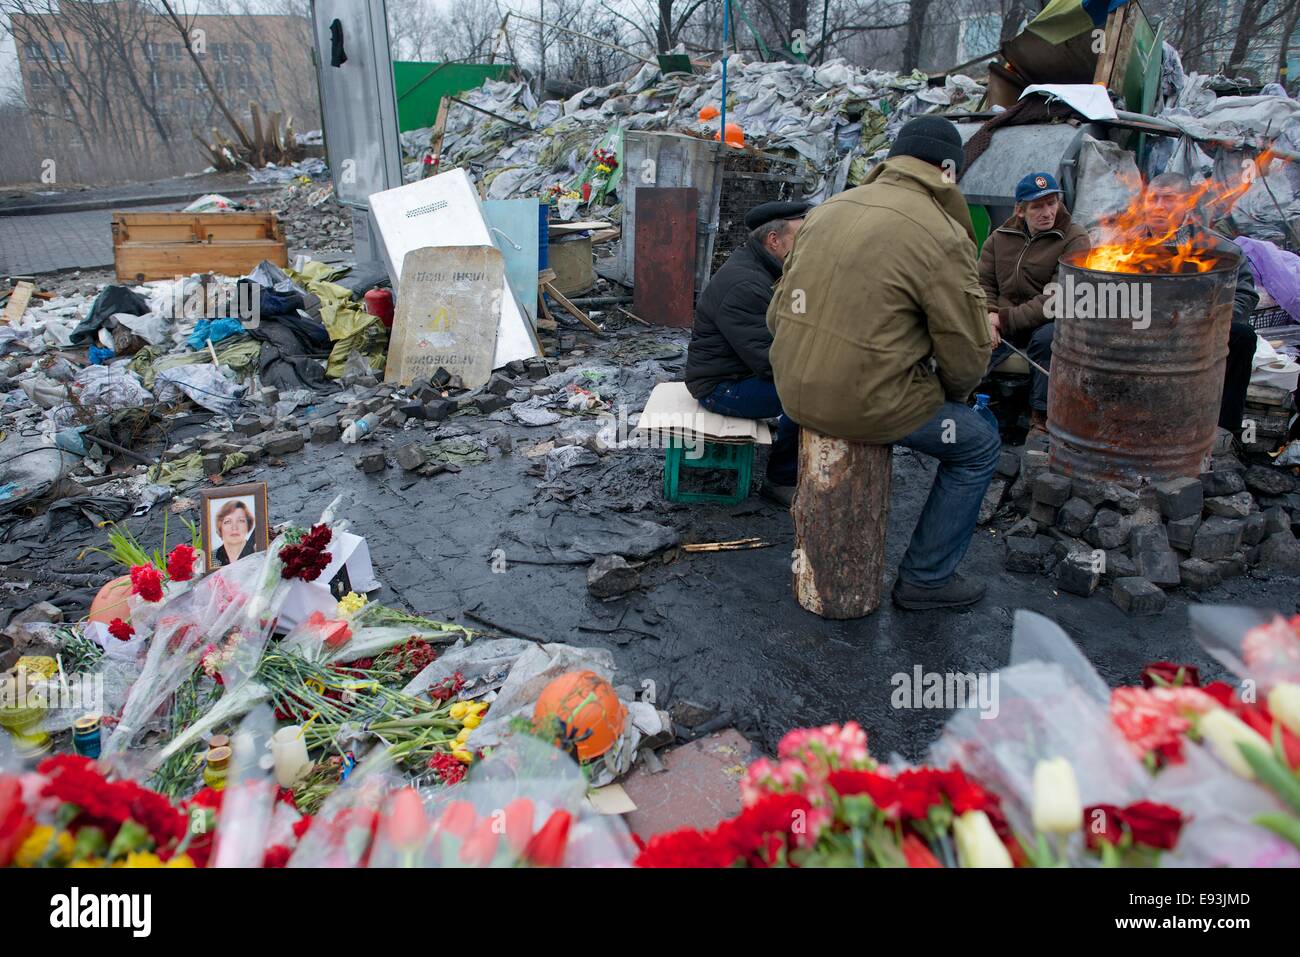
[727, 365]
[1019, 259]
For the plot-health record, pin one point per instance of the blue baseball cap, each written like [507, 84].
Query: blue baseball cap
[1036, 186]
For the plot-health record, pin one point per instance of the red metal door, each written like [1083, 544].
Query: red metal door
[664, 272]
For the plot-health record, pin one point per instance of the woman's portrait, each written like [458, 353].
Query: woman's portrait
[234, 523]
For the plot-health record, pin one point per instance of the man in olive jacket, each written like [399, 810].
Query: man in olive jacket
[1019, 259]
[881, 333]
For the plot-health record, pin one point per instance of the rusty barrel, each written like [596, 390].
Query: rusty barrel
[1137, 377]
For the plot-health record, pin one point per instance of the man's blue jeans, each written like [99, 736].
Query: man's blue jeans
[756, 398]
[967, 448]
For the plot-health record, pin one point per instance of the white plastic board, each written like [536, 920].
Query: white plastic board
[444, 210]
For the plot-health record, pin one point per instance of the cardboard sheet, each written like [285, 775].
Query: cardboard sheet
[672, 410]
[445, 210]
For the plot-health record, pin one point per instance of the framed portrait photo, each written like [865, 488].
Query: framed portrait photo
[235, 523]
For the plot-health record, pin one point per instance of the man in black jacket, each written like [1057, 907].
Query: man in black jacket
[727, 367]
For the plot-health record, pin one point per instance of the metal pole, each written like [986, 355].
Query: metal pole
[541, 44]
[726, 36]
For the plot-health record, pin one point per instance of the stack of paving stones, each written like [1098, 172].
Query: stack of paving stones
[1189, 533]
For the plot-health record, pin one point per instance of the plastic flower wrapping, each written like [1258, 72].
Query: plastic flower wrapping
[360, 735]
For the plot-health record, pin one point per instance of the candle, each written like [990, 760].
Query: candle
[289, 748]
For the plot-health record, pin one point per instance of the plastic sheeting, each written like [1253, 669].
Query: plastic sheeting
[1107, 182]
[109, 387]
[1277, 270]
[204, 384]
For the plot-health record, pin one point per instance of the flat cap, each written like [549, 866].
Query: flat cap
[766, 212]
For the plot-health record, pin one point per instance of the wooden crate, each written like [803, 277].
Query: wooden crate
[166, 245]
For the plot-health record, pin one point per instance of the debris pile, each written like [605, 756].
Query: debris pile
[1192, 533]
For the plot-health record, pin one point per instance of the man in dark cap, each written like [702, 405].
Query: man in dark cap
[727, 368]
[881, 334]
[1018, 261]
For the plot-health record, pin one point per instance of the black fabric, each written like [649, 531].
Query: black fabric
[767, 212]
[1236, 375]
[931, 138]
[338, 56]
[1025, 112]
[291, 346]
[363, 277]
[730, 338]
[111, 301]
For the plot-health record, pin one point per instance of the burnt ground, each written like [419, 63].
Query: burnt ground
[721, 629]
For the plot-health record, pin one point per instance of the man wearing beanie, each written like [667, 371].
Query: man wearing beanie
[880, 335]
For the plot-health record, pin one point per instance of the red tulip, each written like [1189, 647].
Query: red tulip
[519, 823]
[406, 824]
[458, 819]
[547, 847]
[917, 854]
[480, 847]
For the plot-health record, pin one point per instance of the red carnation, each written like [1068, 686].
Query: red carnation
[180, 563]
[686, 848]
[120, 630]
[882, 790]
[146, 582]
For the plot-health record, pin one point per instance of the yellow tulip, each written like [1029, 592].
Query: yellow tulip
[1223, 731]
[181, 860]
[1284, 704]
[978, 845]
[459, 710]
[463, 735]
[1057, 808]
[464, 757]
[472, 721]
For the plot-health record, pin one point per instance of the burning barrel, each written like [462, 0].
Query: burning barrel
[1137, 366]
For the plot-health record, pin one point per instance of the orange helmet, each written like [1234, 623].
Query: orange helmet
[585, 703]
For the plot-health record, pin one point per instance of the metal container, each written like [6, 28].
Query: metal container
[1133, 401]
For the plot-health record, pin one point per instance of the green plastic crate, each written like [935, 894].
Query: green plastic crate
[723, 456]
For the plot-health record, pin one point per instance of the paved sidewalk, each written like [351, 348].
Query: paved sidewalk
[40, 244]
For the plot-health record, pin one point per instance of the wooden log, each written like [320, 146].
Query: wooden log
[840, 512]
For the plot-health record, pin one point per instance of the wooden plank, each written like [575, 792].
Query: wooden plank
[664, 261]
[18, 300]
[573, 310]
[840, 514]
[439, 130]
[144, 262]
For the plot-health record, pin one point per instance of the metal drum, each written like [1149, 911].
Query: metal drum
[1129, 403]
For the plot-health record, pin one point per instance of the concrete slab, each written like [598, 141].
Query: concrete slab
[699, 787]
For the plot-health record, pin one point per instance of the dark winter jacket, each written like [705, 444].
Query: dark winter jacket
[730, 339]
[1016, 265]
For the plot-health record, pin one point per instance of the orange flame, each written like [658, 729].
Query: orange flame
[1139, 240]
